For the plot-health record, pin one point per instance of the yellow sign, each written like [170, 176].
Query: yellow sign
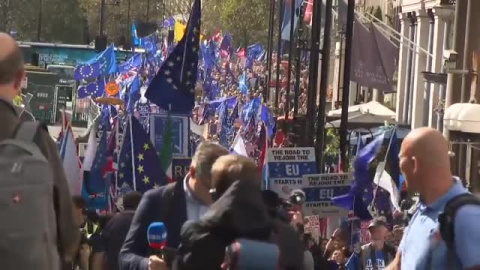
[179, 31]
[112, 89]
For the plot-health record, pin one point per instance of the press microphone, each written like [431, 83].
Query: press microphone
[157, 241]
[157, 236]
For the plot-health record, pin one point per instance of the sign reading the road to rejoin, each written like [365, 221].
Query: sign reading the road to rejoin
[286, 167]
[180, 167]
[180, 136]
[319, 190]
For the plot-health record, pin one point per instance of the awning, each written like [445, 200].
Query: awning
[365, 120]
[464, 117]
[372, 107]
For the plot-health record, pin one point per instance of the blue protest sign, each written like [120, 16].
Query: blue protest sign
[180, 167]
[286, 167]
[180, 135]
[319, 190]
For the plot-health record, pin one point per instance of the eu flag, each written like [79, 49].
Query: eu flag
[224, 132]
[87, 71]
[134, 62]
[139, 167]
[92, 89]
[173, 87]
[106, 60]
[149, 43]
[361, 191]
[254, 51]
[133, 95]
[251, 109]
[242, 83]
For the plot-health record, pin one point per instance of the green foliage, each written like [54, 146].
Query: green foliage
[77, 21]
[62, 20]
[332, 147]
[246, 20]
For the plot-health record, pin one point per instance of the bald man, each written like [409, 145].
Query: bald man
[425, 163]
[65, 231]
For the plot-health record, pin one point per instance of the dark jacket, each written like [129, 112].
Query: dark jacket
[114, 235]
[239, 213]
[68, 235]
[166, 204]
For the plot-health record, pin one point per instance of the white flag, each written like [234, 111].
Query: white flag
[71, 163]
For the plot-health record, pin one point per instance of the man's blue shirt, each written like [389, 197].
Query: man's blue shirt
[424, 226]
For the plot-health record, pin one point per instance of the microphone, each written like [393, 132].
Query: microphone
[157, 241]
[157, 236]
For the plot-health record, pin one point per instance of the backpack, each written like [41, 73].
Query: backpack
[447, 221]
[28, 222]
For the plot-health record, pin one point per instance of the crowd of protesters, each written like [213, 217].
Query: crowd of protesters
[217, 217]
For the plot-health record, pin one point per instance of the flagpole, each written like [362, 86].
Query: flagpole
[133, 152]
[320, 141]
[290, 59]
[279, 43]
[271, 25]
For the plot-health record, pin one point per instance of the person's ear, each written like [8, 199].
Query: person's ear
[17, 83]
[192, 171]
[415, 164]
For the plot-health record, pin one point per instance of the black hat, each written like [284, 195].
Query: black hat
[377, 222]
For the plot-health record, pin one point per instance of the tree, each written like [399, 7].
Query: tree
[246, 20]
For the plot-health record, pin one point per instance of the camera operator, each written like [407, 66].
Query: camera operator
[238, 212]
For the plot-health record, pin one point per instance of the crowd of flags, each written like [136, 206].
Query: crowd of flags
[125, 158]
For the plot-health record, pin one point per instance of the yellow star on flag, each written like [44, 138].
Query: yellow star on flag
[140, 169]
[146, 180]
[140, 157]
[146, 146]
[122, 164]
[121, 175]
[156, 185]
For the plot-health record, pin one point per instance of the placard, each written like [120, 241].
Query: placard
[180, 168]
[286, 167]
[319, 190]
[180, 135]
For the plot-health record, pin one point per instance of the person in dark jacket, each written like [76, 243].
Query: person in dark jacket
[238, 212]
[172, 204]
[114, 234]
[11, 75]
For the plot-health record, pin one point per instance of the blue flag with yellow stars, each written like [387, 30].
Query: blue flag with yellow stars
[106, 60]
[87, 71]
[173, 88]
[139, 168]
[95, 89]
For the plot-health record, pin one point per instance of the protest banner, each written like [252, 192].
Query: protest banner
[180, 132]
[180, 167]
[364, 233]
[319, 190]
[286, 167]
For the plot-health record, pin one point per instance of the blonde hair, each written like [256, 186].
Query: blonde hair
[205, 156]
[230, 168]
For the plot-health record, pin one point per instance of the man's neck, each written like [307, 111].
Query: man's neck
[5, 93]
[435, 188]
[198, 191]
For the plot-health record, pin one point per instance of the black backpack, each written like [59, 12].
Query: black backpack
[447, 218]
[447, 225]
